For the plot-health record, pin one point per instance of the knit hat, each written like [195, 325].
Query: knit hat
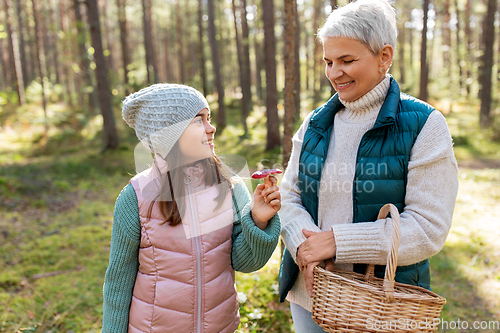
[160, 113]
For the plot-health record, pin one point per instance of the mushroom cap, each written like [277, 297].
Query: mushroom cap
[265, 172]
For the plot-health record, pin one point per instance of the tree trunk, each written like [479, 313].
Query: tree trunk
[401, 47]
[289, 93]
[172, 47]
[485, 82]
[60, 41]
[308, 61]
[41, 61]
[168, 62]
[67, 54]
[244, 103]
[78, 75]
[296, 115]
[424, 70]
[317, 72]
[14, 61]
[148, 43]
[18, 69]
[147, 35]
[56, 56]
[447, 40]
[273, 121]
[122, 22]
[412, 48]
[430, 54]
[221, 112]
[247, 81]
[180, 43]
[107, 29]
[201, 49]
[468, 38]
[459, 57]
[52, 28]
[47, 41]
[84, 58]
[29, 44]
[33, 59]
[257, 45]
[110, 134]
[22, 44]
[5, 82]
[498, 60]
[192, 68]
[225, 44]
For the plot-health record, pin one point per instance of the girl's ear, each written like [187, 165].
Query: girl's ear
[386, 56]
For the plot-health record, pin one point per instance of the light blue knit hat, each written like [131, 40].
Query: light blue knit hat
[160, 113]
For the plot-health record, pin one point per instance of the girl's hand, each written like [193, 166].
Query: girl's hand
[266, 202]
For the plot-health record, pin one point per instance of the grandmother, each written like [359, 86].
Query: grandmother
[367, 146]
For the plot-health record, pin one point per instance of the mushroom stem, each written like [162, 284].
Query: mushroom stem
[267, 182]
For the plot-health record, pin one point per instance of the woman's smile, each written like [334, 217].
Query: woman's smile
[351, 67]
[344, 85]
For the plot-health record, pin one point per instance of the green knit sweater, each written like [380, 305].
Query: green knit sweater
[251, 250]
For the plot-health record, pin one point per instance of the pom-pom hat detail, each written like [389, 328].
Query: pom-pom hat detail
[160, 113]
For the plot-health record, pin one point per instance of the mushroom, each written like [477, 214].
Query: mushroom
[265, 173]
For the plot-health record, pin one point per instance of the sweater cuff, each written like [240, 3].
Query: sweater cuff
[253, 247]
[254, 235]
[357, 242]
[293, 236]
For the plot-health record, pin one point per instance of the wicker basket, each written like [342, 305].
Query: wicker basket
[351, 302]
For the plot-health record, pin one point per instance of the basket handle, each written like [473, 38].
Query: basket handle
[392, 257]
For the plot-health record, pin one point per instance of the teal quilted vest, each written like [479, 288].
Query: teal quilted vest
[381, 172]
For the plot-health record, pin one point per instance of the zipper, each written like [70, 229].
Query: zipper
[363, 138]
[187, 181]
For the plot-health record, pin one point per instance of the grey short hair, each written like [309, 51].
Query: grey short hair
[372, 22]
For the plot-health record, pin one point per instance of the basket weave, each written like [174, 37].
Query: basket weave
[346, 302]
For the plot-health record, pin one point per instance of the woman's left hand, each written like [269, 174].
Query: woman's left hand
[318, 246]
[309, 276]
[266, 202]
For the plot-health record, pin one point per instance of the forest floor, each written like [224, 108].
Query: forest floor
[56, 209]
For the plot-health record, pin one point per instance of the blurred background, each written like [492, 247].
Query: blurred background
[65, 153]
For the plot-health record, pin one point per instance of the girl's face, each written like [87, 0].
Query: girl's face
[352, 68]
[196, 142]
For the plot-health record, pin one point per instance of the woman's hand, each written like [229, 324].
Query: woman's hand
[318, 246]
[266, 202]
[309, 276]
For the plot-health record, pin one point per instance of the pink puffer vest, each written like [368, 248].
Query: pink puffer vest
[185, 281]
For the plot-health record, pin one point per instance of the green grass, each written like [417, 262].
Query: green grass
[56, 227]
[57, 203]
[467, 270]
[471, 142]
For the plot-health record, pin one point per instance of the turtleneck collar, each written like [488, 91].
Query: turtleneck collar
[366, 107]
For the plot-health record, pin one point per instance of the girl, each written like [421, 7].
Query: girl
[182, 227]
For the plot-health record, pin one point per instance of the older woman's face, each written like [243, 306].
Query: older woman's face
[352, 68]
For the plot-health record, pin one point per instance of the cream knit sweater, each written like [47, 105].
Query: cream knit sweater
[430, 194]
